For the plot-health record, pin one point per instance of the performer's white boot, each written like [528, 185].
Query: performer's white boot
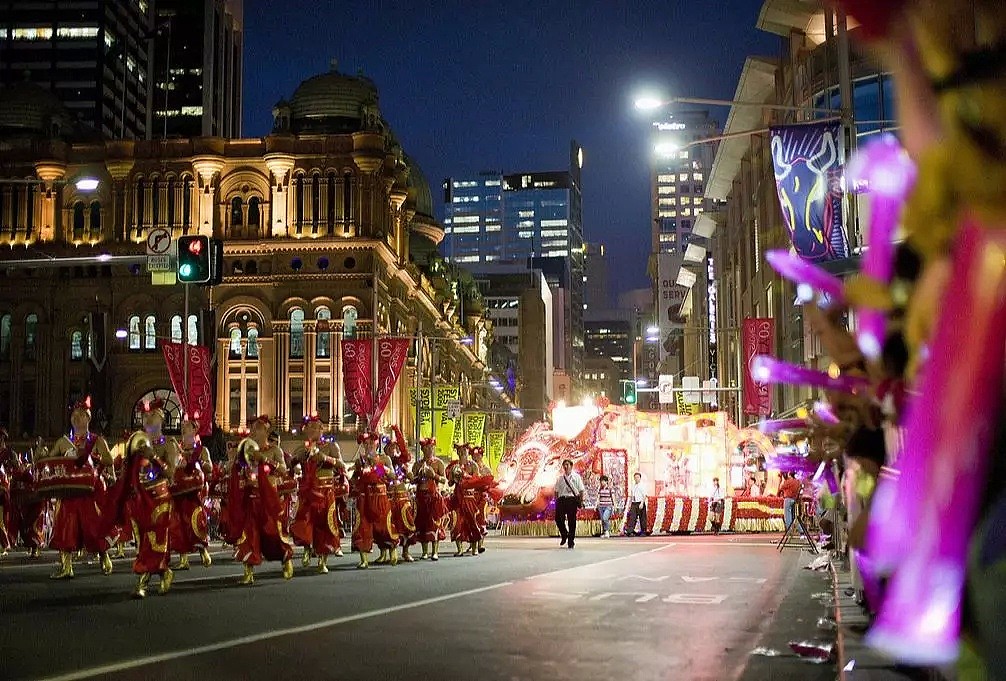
[65, 570]
[435, 555]
[426, 551]
[364, 563]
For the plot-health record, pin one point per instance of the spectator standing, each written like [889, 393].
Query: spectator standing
[637, 507]
[755, 489]
[789, 490]
[716, 506]
[605, 505]
[569, 491]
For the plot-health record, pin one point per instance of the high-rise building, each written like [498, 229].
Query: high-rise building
[534, 219]
[677, 184]
[596, 295]
[92, 55]
[197, 61]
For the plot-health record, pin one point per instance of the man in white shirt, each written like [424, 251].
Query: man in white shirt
[569, 491]
[716, 506]
[637, 507]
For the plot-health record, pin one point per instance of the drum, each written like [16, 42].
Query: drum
[187, 484]
[286, 486]
[60, 478]
[158, 489]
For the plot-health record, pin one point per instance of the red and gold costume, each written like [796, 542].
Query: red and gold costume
[483, 472]
[316, 526]
[8, 531]
[373, 507]
[468, 499]
[77, 522]
[28, 509]
[403, 510]
[189, 517]
[143, 487]
[431, 507]
[255, 512]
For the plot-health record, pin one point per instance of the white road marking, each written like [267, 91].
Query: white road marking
[557, 595]
[641, 596]
[602, 562]
[264, 636]
[695, 599]
[643, 577]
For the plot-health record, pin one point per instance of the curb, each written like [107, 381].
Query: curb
[839, 632]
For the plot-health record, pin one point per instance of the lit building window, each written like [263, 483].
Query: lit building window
[76, 345]
[5, 335]
[697, 177]
[235, 345]
[323, 345]
[193, 330]
[667, 214]
[253, 343]
[296, 333]
[176, 329]
[192, 111]
[134, 333]
[77, 32]
[40, 33]
[667, 189]
[683, 177]
[150, 333]
[664, 179]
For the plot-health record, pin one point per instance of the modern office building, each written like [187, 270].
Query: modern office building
[532, 219]
[596, 294]
[197, 50]
[609, 335]
[93, 56]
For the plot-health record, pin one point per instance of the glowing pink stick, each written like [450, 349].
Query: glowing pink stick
[883, 169]
[824, 475]
[766, 369]
[807, 277]
[823, 411]
[790, 463]
[933, 506]
[782, 424]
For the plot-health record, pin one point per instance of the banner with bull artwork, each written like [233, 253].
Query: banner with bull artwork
[808, 176]
[444, 426]
[757, 338]
[391, 354]
[425, 411]
[356, 378]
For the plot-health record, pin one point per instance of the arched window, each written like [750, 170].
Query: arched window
[78, 221]
[171, 202]
[30, 334]
[172, 410]
[193, 329]
[176, 329]
[254, 213]
[5, 331]
[155, 195]
[252, 342]
[135, 335]
[330, 203]
[150, 333]
[95, 220]
[296, 332]
[299, 204]
[315, 202]
[77, 345]
[186, 203]
[138, 206]
[323, 346]
[237, 212]
[235, 347]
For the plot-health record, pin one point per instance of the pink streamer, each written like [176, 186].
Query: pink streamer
[782, 424]
[766, 369]
[920, 524]
[823, 411]
[882, 167]
[802, 273]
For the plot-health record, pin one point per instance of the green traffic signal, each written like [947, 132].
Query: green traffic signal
[628, 392]
[194, 259]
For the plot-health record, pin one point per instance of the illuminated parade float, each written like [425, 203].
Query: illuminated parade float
[678, 457]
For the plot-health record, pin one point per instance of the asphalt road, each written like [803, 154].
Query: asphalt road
[683, 608]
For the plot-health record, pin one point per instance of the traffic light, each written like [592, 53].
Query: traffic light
[194, 259]
[628, 392]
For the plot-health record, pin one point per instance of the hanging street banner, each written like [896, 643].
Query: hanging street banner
[391, 354]
[197, 397]
[808, 177]
[445, 426]
[495, 448]
[475, 427]
[757, 338]
[425, 413]
[670, 296]
[356, 363]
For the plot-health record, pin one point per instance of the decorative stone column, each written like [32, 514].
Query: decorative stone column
[310, 368]
[280, 166]
[223, 386]
[207, 167]
[119, 170]
[281, 334]
[266, 374]
[50, 172]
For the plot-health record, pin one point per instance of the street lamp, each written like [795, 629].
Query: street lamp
[87, 184]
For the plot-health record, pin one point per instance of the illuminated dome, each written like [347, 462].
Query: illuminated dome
[419, 189]
[331, 102]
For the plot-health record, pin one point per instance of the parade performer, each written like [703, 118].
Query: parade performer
[403, 511]
[428, 475]
[77, 519]
[373, 508]
[8, 532]
[467, 499]
[316, 525]
[482, 471]
[255, 513]
[270, 452]
[189, 517]
[29, 510]
[143, 488]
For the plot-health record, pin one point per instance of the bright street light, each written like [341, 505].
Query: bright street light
[648, 103]
[87, 184]
[652, 329]
[641, 382]
[121, 334]
[666, 148]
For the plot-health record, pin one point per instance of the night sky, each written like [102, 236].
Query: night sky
[476, 85]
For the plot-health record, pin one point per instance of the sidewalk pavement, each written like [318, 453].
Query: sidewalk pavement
[856, 661]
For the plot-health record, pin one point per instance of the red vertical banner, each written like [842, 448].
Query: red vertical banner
[356, 380]
[391, 355]
[197, 397]
[757, 338]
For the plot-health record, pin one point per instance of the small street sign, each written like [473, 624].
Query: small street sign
[169, 278]
[158, 241]
[665, 388]
[692, 384]
[453, 409]
[159, 263]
